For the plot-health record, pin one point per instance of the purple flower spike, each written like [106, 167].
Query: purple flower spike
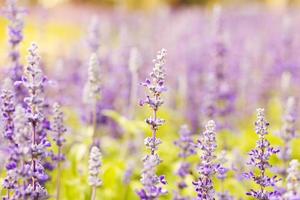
[15, 33]
[7, 112]
[208, 167]
[259, 158]
[293, 181]
[34, 82]
[288, 133]
[152, 183]
[187, 149]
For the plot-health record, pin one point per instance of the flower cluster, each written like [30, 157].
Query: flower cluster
[34, 81]
[187, 148]
[259, 158]
[288, 132]
[219, 99]
[7, 111]
[92, 87]
[95, 163]
[293, 181]
[151, 182]
[208, 166]
[15, 32]
[222, 175]
[93, 39]
[58, 128]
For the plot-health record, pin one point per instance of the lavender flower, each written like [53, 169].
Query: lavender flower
[22, 136]
[10, 182]
[293, 181]
[92, 87]
[59, 130]
[207, 168]
[133, 64]
[93, 39]
[187, 148]
[288, 133]
[259, 158]
[219, 99]
[15, 32]
[22, 131]
[151, 182]
[8, 109]
[222, 175]
[34, 81]
[95, 163]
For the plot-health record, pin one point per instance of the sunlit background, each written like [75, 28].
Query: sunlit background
[256, 69]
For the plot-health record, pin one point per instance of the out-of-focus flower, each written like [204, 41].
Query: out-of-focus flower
[222, 175]
[92, 87]
[187, 148]
[288, 132]
[293, 181]
[15, 33]
[58, 126]
[95, 162]
[93, 39]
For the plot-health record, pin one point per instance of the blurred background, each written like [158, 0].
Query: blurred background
[261, 66]
[152, 4]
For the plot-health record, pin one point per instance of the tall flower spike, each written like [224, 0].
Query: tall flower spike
[34, 81]
[288, 132]
[92, 87]
[95, 163]
[152, 189]
[134, 64]
[58, 126]
[259, 158]
[15, 33]
[207, 168]
[219, 98]
[187, 149]
[222, 175]
[59, 130]
[93, 39]
[7, 110]
[293, 181]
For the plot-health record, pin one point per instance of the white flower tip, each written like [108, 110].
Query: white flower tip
[211, 125]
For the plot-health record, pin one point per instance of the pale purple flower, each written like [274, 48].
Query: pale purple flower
[187, 149]
[92, 88]
[93, 39]
[222, 171]
[293, 181]
[95, 162]
[288, 132]
[15, 33]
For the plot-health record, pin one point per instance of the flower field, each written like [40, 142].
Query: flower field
[185, 103]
